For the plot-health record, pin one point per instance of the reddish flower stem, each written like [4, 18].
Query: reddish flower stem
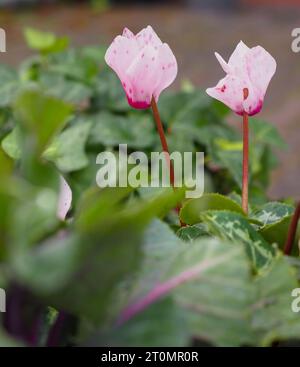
[245, 157]
[165, 148]
[163, 140]
[292, 231]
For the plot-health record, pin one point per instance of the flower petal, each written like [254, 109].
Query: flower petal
[135, 60]
[253, 104]
[237, 61]
[229, 91]
[261, 67]
[64, 199]
[168, 69]
[127, 33]
[247, 68]
[143, 75]
[223, 63]
[120, 54]
[147, 36]
[119, 57]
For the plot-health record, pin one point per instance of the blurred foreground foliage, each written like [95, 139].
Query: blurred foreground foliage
[222, 279]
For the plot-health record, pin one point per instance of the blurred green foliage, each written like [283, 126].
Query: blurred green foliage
[221, 279]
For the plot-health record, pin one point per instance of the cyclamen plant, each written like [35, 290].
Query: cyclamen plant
[120, 271]
[146, 66]
[249, 72]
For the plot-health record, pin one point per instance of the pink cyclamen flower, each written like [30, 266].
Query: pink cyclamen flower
[249, 69]
[144, 64]
[64, 199]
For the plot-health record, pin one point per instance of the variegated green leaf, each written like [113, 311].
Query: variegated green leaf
[235, 228]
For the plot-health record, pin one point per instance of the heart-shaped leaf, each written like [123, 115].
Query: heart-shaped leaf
[192, 210]
[235, 228]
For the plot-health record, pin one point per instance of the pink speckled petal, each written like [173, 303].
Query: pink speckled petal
[144, 76]
[120, 54]
[237, 60]
[247, 68]
[253, 103]
[229, 91]
[261, 68]
[147, 36]
[144, 65]
[223, 63]
[127, 33]
[167, 69]
[64, 199]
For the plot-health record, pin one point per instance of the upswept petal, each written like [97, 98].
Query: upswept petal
[120, 54]
[168, 69]
[247, 68]
[261, 67]
[238, 54]
[148, 36]
[223, 63]
[237, 61]
[127, 33]
[144, 65]
[143, 75]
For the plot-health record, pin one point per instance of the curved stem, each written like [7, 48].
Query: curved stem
[292, 231]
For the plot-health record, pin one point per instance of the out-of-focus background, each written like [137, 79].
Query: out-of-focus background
[194, 29]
